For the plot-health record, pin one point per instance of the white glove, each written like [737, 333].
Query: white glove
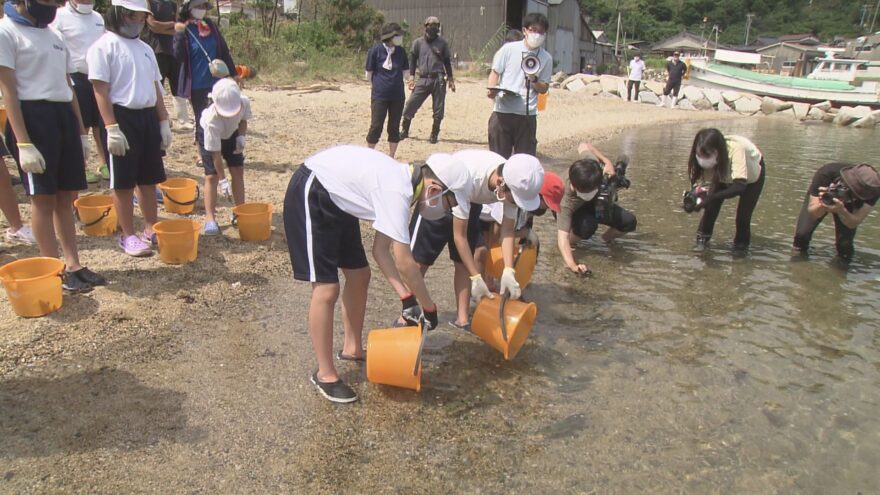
[239, 145]
[86, 146]
[165, 132]
[509, 283]
[225, 187]
[116, 141]
[479, 289]
[30, 159]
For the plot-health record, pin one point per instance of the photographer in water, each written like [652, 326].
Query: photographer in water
[848, 192]
[590, 200]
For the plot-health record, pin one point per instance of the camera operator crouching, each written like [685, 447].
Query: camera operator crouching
[848, 192]
[589, 200]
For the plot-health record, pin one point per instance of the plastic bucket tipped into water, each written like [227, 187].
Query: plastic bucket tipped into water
[523, 264]
[542, 101]
[181, 195]
[97, 215]
[254, 221]
[178, 240]
[33, 285]
[504, 324]
[394, 357]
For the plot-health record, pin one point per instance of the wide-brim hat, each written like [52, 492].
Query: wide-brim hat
[390, 30]
[863, 180]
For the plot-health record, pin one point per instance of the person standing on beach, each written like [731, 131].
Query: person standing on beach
[675, 71]
[513, 125]
[431, 56]
[160, 36]
[386, 62]
[636, 69]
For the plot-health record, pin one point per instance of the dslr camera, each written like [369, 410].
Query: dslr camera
[694, 199]
[606, 198]
[837, 190]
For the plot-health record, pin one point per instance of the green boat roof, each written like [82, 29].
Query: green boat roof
[782, 81]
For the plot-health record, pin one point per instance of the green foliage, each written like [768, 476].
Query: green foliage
[356, 23]
[654, 20]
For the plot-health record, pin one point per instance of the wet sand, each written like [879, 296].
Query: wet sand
[194, 378]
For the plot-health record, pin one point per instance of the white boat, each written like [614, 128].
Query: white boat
[720, 73]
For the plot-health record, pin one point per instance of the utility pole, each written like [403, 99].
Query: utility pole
[864, 13]
[874, 19]
[748, 27]
[617, 36]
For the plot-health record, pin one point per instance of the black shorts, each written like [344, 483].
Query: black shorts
[227, 151]
[429, 237]
[142, 165]
[54, 131]
[321, 238]
[85, 96]
[672, 87]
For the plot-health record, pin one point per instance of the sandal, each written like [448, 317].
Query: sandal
[342, 357]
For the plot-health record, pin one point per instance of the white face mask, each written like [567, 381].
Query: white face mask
[535, 40]
[82, 8]
[499, 194]
[707, 163]
[397, 40]
[588, 196]
[198, 13]
[432, 208]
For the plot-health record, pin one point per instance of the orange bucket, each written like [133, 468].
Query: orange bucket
[542, 101]
[178, 240]
[523, 264]
[97, 215]
[181, 195]
[394, 356]
[33, 285]
[254, 221]
[245, 72]
[504, 323]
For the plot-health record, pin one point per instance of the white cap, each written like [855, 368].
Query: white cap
[227, 97]
[134, 5]
[453, 173]
[524, 176]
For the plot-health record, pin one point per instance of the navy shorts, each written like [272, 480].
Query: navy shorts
[85, 96]
[142, 165]
[321, 238]
[54, 131]
[429, 237]
[227, 151]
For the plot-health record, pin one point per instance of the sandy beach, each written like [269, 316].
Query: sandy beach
[193, 378]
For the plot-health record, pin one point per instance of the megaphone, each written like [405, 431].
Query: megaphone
[531, 65]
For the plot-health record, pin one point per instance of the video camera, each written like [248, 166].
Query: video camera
[837, 190]
[694, 199]
[606, 198]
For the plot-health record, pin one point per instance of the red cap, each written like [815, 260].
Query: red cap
[552, 190]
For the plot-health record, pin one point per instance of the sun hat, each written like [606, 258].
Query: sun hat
[524, 176]
[553, 190]
[227, 97]
[863, 180]
[390, 30]
[133, 5]
[451, 172]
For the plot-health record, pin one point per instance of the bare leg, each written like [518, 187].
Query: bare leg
[609, 235]
[354, 306]
[99, 144]
[372, 146]
[237, 174]
[43, 223]
[8, 200]
[149, 209]
[125, 210]
[462, 285]
[210, 196]
[392, 149]
[320, 323]
[66, 228]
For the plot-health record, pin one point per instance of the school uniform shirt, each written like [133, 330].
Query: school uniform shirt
[480, 165]
[79, 32]
[368, 185]
[508, 64]
[129, 66]
[40, 60]
[636, 68]
[387, 85]
[495, 213]
[745, 161]
[217, 128]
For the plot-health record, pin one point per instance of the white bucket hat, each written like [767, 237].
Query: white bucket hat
[227, 97]
[134, 5]
[524, 176]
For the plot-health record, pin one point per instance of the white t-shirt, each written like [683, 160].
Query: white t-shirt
[79, 32]
[636, 68]
[217, 128]
[508, 64]
[495, 213]
[129, 66]
[367, 184]
[480, 164]
[40, 61]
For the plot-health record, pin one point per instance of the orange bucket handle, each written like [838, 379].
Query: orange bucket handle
[96, 222]
[185, 203]
[424, 328]
[501, 318]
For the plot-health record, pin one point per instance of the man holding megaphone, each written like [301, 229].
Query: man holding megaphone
[520, 71]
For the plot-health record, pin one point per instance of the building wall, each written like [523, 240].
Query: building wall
[563, 36]
[780, 54]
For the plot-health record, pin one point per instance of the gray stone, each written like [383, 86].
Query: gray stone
[593, 88]
[692, 93]
[713, 95]
[686, 105]
[606, 94]
[824, 106]
[703, 104]
[747, 105]
[655, 87]
[649, 97]
[828, 117]
[558, 77]
[865, 122]
[815, 114]
[800, 110]
[724, 107]
[730, 97]
[575, 85]
[772, 105]
[621, 88]
[610, 84]
[848, 115]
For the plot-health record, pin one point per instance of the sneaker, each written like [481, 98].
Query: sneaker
[133, 246]
[336, 391]
[104, 171]
[92, 178]
[89, 277]
[71, 283]
[211, 228]
[24, 234]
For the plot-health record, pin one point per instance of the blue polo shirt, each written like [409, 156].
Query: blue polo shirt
[201, 74]
[387, 84]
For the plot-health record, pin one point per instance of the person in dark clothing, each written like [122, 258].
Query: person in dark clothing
[858, 188]
[386, 62]
[675, 70]
[160, 37]
[431, 56]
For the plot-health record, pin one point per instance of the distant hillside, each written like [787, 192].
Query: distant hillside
[653, 20]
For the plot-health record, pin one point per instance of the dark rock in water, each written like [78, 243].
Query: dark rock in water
[8, 476]
[740, 376]
[569, 427]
